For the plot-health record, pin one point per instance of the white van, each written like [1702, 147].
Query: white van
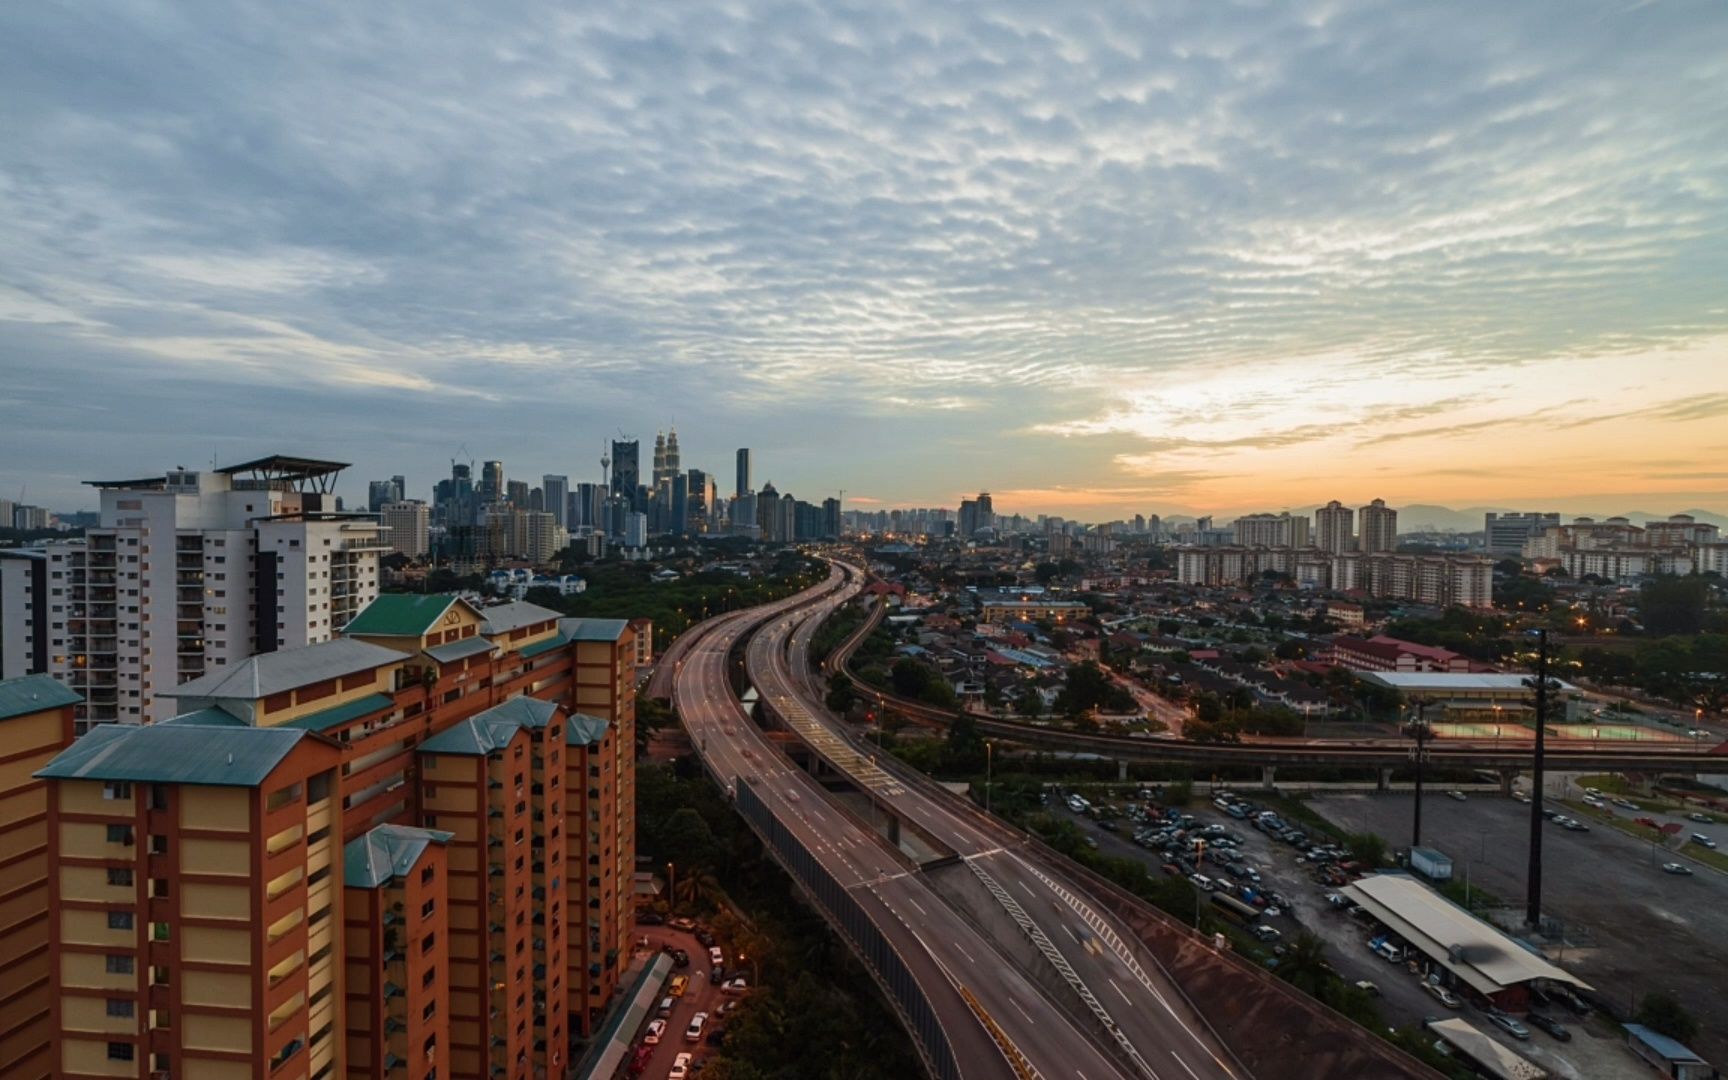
[1203, 882]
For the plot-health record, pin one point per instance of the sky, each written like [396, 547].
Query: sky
[1098, 259]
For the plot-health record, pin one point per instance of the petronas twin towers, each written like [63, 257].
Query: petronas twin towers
[665, 455]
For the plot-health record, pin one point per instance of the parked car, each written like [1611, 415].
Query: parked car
[1264, 932]
[656, 1028]
[665, 1008]
[1368, 987]
[1508, 1025]
[693, 1033]
[1550, 1025]
[1703, 819]
[1624, 804]
[640, 1059]
[706, 937]
[1703, 841]
[678, 985]
[734, 986]
[1677, 868]
[680, 1067]
[1443, 995]
[1457, 795]
[650, 918]
[682, 924]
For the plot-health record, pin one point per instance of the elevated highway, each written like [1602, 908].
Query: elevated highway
[990, 1020]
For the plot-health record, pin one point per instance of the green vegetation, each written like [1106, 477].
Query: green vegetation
[1677, 605]
[913, 679]
[1088, 689]
[1470, 897]
[1691, 672]
[1470, 633]
[623, 590]
[835, 630]
[810, 991]
[1662, 1012]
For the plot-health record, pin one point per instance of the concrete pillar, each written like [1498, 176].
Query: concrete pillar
[1122, 770]
[1508, 773]
[1384, 780]
[894, 829]
[1269, 777]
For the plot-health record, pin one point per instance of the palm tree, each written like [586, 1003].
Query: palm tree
[1304, 965]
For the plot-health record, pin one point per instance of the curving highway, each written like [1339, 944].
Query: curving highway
[1113, 985]
[997, 1021]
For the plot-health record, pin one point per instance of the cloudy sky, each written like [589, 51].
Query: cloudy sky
[1097, 258]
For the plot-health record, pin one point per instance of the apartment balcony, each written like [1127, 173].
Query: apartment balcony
[104, 646]
[186, 577]
[189, 543]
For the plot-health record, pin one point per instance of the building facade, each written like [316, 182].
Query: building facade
[192, 572]
[1335, 528]
[407, 528]
[406, 852]
[1379, 528]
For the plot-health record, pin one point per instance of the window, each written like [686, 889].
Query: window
[119, 834]
[430, 976]
[120, 964]
[117, 789]
[428, 908]
[427, 942]
[121, 1007]
[118, 875]
[427, 875]
[430, 1010]
[119, 1051]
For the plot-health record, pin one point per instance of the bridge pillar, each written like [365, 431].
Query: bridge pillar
[894, 829]
[1269, 777]
[1508, 774]
[1383, 778]
[1122, 770]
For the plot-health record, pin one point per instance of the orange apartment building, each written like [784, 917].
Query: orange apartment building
[201, 883]
[36, 723]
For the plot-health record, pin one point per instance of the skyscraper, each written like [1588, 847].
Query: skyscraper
[672, 465]
[516, 493]
[742, 486]
[492, 482]
[405, 524]
[626, 471]
[1335, 528]
[557, 497]
[1379, 528]
[380, 493]
[659, 473]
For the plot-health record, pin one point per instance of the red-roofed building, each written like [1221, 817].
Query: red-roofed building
[1381, 653]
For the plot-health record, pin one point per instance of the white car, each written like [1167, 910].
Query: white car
[656, 1028]
[1443, 995]
[734, 986]
[1458, 795]
[1677, 868]
[693, 1033]
[680, 1067]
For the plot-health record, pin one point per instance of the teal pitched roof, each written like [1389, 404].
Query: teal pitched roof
[474, 737]
[585, 730]
[337, 715]
[402, 614]
[593, 629]
[503, 618]
[210, 717]
[556, 641]
[493, 729]
[34, 693]
[384, 853]
[457, 650]
[286, 669]
[175, 754]
[523, 711]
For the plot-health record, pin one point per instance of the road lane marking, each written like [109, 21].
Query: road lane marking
[964, 953]
[1184, 1065]
[1118, 989]
[917, 905]
[1070, 934]
[1021, 1011]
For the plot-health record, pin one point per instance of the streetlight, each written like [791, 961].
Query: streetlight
[989, 760]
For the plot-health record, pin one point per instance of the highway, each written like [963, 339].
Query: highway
[949, 958]
[1108, 974]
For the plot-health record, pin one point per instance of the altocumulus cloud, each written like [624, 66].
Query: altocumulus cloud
[863, 220]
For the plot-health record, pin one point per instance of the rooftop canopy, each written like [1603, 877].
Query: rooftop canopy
[285, 472]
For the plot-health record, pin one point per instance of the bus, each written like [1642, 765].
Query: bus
[1234, 910]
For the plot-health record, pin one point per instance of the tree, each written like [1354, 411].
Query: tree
[1673, 605]
[687, 840]
[1366, 848]
[965, 747]
[1304, 965]
[1662, 1013]
[841, 696]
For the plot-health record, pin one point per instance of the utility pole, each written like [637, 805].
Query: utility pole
[1533, 900]
[1421, 755]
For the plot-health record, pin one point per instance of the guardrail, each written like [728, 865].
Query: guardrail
[866, 939]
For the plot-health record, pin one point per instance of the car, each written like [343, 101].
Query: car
[1624, 804]
[640, 1059]
[680, 958]
[1677, 868]
[1591, 800]
[1368, 987]
[1552, 1026]
[1574, 825]
[706, 937]
[734, 986]
[665, 1008]
[1703, 819]
[680, 1067]
[1508, 1025]
[1593, 791]
[716, 958]
[1337, 900]
[650, 918]
[1521, 797]
[1703, 841]
[728, 1007]
[1265, 933]
[1443, 995]
[1457, 796]
[678, 985]
[682, 924]
[693, 1033]
[656, 1028]
[717, 1037]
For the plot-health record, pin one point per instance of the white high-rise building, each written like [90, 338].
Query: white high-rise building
[1272, 530]
[1335, 528]
[406, 525]
[1379, 531]
[194, 571]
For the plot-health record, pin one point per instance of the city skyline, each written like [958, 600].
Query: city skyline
[1098, 262]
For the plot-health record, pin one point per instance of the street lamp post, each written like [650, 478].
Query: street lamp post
[1420, 754]
[989, 761]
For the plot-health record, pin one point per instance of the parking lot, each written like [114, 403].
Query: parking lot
[1631, 928]
[700, 995]
[1595, 1049]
